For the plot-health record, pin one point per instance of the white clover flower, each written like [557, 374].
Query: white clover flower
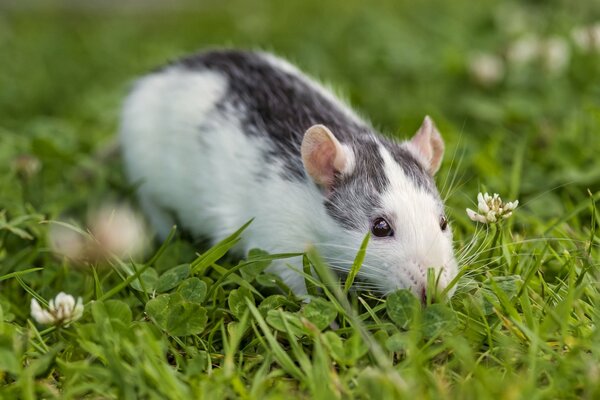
[491, 209]
[66, 241]
[486, 69]
[27, 165]
[555, 54]
[595, 34]
[62, 310]
[582, 39]
[587, 38]
[524, 50]
[118, 230]
[113, 230]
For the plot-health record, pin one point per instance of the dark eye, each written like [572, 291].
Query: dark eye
[381, 228]
[443, 223]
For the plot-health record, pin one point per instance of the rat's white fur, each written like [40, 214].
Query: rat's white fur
[217, 180]
[190, 160]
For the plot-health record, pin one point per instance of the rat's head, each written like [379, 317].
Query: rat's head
[374, 185]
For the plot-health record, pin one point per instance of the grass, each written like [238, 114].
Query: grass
[186, 322]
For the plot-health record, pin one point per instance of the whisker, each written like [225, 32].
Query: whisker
[458, 146]
[351, 261]
[540, 239]
[471, 243]
[336, 245]
[476, 251]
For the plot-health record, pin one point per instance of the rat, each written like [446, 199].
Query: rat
[223, 136]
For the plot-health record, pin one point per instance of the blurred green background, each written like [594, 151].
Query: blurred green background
[513, 86]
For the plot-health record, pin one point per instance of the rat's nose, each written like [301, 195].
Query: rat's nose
[423, 294]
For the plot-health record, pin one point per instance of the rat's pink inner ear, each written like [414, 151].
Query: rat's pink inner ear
[323, 155]
[429, 145]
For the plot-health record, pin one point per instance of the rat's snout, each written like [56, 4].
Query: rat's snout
[434, 267]
[423, 295]
[429, 282]
[432, 291]
[423, 280]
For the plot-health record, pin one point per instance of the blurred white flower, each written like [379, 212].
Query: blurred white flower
[491, 209]
[582, 39]
[524, 50]
[66, 241]
[27, 165]
[113, 230]
[587, 38]
[595, 34]
[555, 54]
[62, 310]
[118, 230]
[486, 69]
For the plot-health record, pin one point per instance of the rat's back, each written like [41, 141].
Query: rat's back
[213, 140]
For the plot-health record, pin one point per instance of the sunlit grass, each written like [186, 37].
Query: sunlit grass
[187, 320]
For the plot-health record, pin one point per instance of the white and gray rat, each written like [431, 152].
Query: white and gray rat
[224, 136]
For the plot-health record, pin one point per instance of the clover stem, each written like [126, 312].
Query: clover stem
[495, 239]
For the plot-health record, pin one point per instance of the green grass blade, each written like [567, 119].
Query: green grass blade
[278, 352]
[19, 273]
[357, 264]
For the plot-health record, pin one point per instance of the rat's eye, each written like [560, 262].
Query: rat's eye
[381, 228]
[443, 223]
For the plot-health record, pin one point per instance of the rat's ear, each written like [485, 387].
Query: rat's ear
[429, 145]
[324, 156]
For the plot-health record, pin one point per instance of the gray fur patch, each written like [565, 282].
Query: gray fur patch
[274, 103]
[356, 196]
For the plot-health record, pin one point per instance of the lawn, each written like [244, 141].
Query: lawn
[515, 90]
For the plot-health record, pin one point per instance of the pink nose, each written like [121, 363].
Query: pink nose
[423, 294]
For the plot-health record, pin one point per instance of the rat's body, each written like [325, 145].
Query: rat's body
[219, 138]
